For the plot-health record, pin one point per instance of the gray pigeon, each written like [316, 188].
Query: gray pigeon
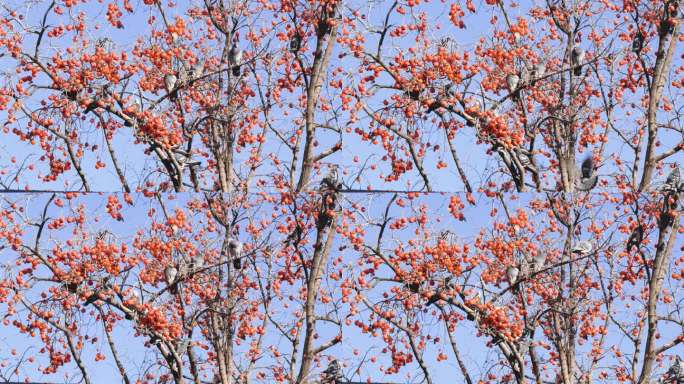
[170, 81]
[576, 59]
[332, 374]
[235, 249]
[170, 275]
[583, 248]
[197, 71]
[295, 42]
[588, 180]
[512, 81]
[512, 274]
[170, 84]
[676, 372]
[539, 70]
[635, 238]
[673, 180]
[331, 181]
[539, 260]
[638, 42]
[235, 59]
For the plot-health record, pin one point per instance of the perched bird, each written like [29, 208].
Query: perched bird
[170, 276]
[413, 287]
[235, 249]
[105, 43]
[512, 81]
[576, 59]
[198, 71]
[170, 82]
[71, 286]
[331, 181]
[182, 346]
[512, 274]
[524, 77]
[583, 248]
[414, 94]
[295, 42]
[539, 70]
[638, 42]
[332, 374]
[588, 180]
[328, 189]
[673, 180]
[635, 238]
[539, 260]
[235, 58]
[676, 372]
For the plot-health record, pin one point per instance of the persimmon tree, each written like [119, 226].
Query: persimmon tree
[318, 272]
[420, 190]
[407, 85]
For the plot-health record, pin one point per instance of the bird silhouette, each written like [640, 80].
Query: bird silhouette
[587, 180]
[332, 373]
[635, 238]
[331, 181]
[638, 42]
[295, 42]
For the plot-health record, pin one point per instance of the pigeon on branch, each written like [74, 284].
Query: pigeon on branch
[235, 249]
[588, 179]
[235, 59]
[583, 248]
[170, 276]
[576, 59]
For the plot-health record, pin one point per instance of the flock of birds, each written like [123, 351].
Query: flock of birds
[176, 273]
[174, 81]
[587, 181]
[515, 81]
